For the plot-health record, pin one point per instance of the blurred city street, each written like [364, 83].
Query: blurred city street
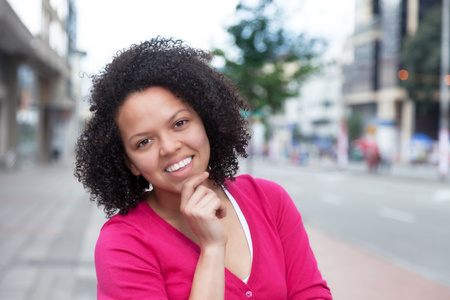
[48, 229]
[376, 236]
[334, 81]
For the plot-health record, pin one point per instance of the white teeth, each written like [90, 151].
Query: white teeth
[179, 165]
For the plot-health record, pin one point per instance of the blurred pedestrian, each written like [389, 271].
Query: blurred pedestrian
[370, 151]
[160, 154]
[373, 158]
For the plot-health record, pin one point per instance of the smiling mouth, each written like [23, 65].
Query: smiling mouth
[179, 165]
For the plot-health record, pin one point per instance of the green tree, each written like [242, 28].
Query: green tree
[421, 56]
[355, 127]
[271, 63]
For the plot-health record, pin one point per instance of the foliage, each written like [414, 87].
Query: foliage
[271, 63]
[355, 126]
[421, 57]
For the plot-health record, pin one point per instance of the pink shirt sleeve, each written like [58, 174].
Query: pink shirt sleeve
[125, 269]
[304, 280]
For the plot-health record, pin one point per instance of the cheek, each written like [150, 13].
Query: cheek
[145, 163]
[206, 148]
[202, 141]
[146, 166]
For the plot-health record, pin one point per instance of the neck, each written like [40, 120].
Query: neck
[164, 203]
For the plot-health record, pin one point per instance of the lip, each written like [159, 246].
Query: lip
[177, 161]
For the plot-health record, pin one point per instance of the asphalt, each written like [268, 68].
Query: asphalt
[48, 230]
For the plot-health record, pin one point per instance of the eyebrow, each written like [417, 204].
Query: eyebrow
[170, 120]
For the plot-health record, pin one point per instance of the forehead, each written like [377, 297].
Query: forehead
[153, 105]
[156, 98]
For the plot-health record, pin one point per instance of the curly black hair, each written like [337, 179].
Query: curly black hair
[184, 71]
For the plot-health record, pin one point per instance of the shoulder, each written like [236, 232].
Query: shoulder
[246, 180]
[127, 238]
[248, 184]
[260, 194]
[122, 231]
[125, 257]
[133, 218]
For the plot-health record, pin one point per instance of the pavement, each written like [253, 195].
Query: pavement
[398, 170]
[48, 231]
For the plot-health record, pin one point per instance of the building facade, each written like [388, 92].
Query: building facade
[309, 124]
[38, 90]
[371, 85]
[319, 110]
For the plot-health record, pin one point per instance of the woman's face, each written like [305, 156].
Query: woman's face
[164, 138]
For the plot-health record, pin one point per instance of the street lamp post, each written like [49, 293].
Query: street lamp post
[444, 91]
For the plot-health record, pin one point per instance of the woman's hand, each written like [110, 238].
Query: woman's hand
[203, 210]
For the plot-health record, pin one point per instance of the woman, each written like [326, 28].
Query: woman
[161, 154]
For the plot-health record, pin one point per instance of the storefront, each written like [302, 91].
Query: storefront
[27, 116]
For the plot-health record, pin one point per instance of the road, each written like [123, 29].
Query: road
[48, 231]
[403, 220]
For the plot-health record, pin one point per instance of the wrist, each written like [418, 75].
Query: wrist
[216, 251]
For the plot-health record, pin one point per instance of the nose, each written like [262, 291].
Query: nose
[169, 144]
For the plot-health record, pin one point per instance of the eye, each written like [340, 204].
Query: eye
[143, 143]
[180, 123]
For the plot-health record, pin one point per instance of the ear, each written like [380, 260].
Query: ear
[131, 166]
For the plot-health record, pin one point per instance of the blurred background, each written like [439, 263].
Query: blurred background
[350, 115]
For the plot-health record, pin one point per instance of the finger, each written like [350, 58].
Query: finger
[199, 199]
[210, 202]
[190, 185]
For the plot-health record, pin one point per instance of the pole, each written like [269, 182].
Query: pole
[444, 91]
[342, 145]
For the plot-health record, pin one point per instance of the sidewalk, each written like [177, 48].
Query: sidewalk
[398, 170]
[353, 274]
[48, 230]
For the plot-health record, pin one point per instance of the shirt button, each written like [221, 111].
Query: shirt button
[249, 294]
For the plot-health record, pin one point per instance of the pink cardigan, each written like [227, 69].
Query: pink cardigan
[140, 256]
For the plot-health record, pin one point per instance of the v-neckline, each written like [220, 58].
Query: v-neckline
[171, 228]
[193, 245]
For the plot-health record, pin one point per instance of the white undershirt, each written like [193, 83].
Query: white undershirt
[243, 224]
